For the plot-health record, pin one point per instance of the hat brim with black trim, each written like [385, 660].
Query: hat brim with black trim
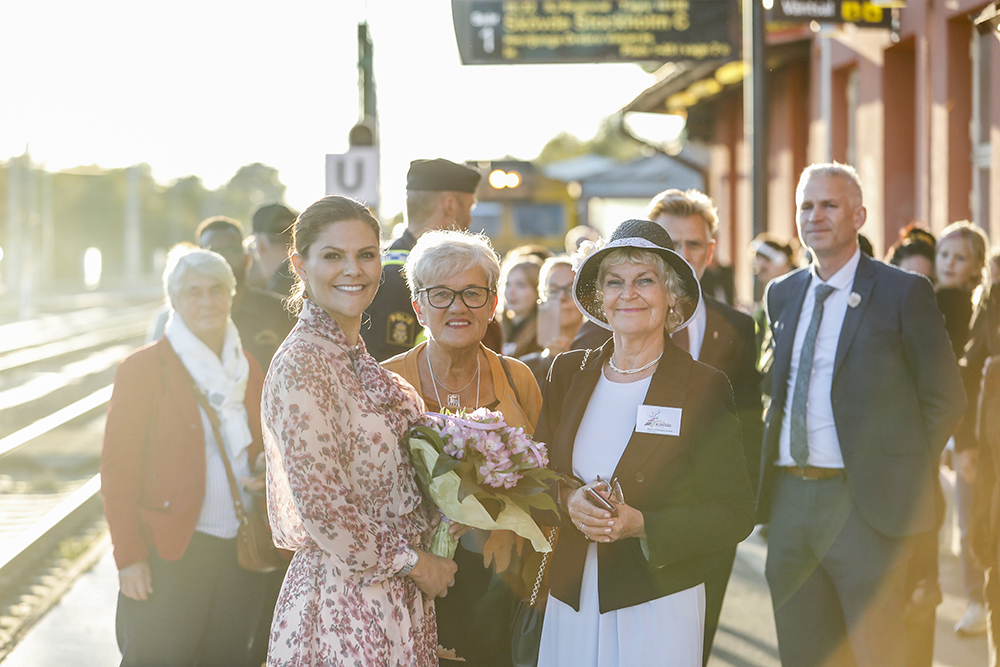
[642, 235]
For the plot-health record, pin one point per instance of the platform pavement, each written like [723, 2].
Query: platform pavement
[80, 630]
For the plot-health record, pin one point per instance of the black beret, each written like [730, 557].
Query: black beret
[440, 175]
[273, 219]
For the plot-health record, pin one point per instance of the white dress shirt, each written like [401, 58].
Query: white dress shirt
[696, 332]
[824, 445]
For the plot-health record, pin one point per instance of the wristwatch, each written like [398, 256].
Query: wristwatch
[411, 562]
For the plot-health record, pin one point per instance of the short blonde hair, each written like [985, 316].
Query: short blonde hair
[445, 252]
[683, 204]
[979, 243]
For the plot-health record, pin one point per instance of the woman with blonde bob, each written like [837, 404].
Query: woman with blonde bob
[963, 290]
[453, 280]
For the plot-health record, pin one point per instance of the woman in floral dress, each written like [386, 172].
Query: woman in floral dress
[341, 491]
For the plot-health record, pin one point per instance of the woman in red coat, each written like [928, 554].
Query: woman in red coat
[184, 599]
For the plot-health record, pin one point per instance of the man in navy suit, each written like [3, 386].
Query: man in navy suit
[866, 392]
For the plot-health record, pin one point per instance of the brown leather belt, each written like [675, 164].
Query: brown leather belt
[810, 472]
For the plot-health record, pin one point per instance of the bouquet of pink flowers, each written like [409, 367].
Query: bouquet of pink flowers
[483, 473]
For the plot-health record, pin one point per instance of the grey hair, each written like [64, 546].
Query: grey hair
[185, 257]
[830, 169]
[547, 267]
[443, 252]
[671, 281]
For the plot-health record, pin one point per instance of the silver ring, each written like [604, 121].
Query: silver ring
[581, 526]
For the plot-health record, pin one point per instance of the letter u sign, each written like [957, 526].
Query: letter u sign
[354, 174]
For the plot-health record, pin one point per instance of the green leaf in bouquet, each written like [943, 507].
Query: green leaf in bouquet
[542, 501]
[528, 487]
[420, 452]
[467, 488]
[445, 464]
[428, 434]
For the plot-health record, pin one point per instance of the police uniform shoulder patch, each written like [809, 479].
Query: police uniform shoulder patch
[395, 257]
[401, 328]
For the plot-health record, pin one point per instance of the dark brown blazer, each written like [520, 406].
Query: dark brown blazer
[693, 488]
[153, 461]
[729, 345]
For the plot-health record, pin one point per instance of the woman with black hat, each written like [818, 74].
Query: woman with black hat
[658, 491]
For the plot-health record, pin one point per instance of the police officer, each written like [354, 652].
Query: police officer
[439, 195]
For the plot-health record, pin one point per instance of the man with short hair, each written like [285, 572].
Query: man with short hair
[272, 231]
[440, 194]
[866, 391]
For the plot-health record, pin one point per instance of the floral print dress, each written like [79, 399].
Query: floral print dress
[341, 494]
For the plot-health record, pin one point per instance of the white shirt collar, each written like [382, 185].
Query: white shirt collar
[844, 277]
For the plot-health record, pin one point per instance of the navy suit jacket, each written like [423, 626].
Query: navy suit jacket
[897, 394]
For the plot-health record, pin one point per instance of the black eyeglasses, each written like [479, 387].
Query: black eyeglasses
[443, 297]
[557, 292]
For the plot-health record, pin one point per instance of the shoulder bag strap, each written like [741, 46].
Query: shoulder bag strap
[517, 394]
[213, 418]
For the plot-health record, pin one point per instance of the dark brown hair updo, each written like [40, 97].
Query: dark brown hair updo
[311, 223]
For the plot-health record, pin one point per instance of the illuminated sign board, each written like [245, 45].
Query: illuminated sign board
[492, 32]
[864, 13]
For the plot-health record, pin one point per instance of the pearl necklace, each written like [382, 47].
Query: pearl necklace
[454, 397]
[631, 371]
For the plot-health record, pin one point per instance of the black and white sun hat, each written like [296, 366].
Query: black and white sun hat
[643, 235]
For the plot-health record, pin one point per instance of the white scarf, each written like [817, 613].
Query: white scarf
[222, 380]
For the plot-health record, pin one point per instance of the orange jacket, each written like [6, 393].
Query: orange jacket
[153, 462]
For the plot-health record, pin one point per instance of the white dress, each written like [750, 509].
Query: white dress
[667, 631]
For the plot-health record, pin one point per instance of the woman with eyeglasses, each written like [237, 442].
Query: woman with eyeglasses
[453, 279]
[558, 317]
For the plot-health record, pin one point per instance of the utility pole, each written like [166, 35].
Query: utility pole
[755, 111]
[13, 253]
[133, 237]
[365, 133]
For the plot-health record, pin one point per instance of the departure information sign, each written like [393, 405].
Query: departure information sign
[863, 13]
[493, 32]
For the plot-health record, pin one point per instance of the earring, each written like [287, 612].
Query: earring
[670, 309]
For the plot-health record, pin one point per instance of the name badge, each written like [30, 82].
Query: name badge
[658, 420]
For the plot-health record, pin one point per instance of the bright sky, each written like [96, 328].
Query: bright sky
[205, 86]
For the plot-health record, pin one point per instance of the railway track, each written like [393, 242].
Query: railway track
[56, 373]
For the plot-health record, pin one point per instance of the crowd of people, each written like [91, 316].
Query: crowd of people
[625, 359]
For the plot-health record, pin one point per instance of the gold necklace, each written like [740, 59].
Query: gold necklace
[454, 397]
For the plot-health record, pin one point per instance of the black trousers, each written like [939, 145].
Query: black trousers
[202, 613]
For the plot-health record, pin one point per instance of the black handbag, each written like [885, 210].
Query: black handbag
[526, 623]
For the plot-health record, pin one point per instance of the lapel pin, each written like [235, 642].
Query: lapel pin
[853, 299]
